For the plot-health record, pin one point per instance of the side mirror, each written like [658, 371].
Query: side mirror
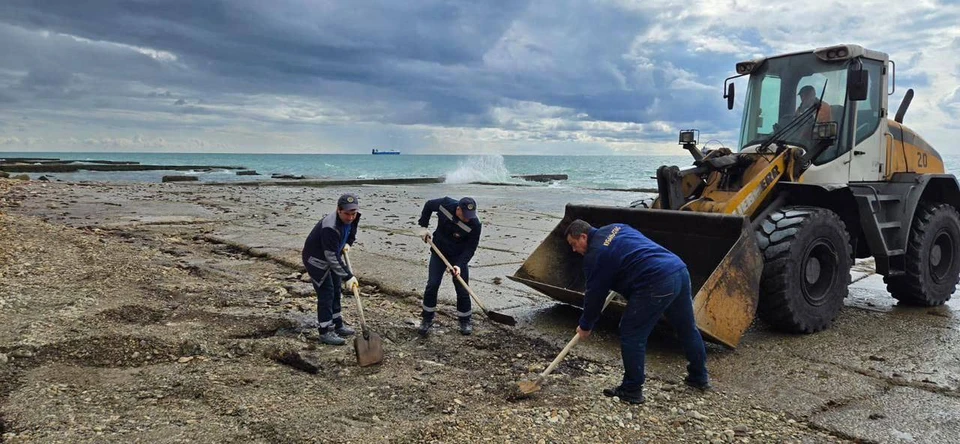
[857, 80]
[729, 96]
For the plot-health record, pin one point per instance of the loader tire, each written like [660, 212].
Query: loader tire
[806, 268]
[933, 257]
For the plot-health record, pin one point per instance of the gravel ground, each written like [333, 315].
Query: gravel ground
[159, 335]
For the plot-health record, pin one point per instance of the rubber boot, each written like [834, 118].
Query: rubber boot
[466, 328]
[424, 329]
[702, 386]
[628, 396]
[330, 337]
[344, 331]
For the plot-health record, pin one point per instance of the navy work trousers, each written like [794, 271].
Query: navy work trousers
[327, 285]
[671, 298]
[437, 270]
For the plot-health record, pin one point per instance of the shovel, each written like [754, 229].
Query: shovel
[528, 387]
[368, 345]
[492, 315]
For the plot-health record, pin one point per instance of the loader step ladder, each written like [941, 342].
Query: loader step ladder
[887, 225]
[881, 218]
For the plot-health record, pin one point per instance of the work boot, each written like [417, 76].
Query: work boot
[628, 396]
[343, 331]
[702, 386]
[466, 328]
[425, 327]
[330, 337]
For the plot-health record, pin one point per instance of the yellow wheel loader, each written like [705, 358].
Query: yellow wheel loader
[822, 176]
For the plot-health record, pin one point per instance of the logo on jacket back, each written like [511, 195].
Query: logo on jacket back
[613, 234]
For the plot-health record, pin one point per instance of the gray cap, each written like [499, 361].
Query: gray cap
[348, 201]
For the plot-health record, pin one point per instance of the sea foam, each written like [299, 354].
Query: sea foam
[481, 169]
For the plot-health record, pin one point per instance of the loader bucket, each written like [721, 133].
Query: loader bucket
[720, 251]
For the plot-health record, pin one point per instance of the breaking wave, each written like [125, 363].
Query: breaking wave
[480, 169]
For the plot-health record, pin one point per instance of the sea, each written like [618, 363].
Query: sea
[592, 172]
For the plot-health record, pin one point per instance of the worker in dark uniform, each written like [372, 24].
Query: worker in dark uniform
[322, 255]
[457, 236]
[655, 283]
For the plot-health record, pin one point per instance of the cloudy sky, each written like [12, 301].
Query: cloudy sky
[432, 76]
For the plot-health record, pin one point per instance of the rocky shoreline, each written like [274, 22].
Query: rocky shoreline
[20, 165]
[15, 165]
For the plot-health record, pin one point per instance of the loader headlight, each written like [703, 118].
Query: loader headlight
[745, 67]
[834, 53]
[688, 136]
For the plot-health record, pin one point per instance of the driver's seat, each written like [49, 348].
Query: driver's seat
[836, 111]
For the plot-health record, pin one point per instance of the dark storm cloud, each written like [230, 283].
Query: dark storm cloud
[438, 62]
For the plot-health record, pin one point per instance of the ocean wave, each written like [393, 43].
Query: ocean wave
[473, 169]
[204, 172]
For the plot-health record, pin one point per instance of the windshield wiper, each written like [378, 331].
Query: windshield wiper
[795, 123]
[790, 127]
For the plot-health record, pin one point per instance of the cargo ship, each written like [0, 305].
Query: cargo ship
[379, 152]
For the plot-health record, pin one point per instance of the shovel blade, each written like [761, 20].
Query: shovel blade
[369, 349]
[528, 387]
[501, 318]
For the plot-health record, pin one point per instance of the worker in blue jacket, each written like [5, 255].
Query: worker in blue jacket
[457, 236]
[655, 283]
[322, 255]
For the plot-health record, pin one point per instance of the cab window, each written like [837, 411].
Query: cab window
[769, 104]
[868, 111]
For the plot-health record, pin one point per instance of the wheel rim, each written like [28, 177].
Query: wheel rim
[818, 272]
[942, 255]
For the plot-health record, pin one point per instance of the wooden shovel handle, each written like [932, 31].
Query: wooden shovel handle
[460, 279]
[576, 338]
[563, 353]
[356, 295]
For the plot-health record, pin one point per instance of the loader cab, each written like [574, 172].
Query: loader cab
[778, 106]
